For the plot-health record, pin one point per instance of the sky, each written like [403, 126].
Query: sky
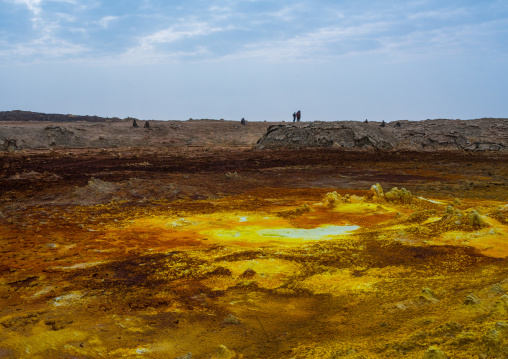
[335, 60]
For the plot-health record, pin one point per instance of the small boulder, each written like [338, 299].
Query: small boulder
[464, 338]
[434, 353]
[224, 353]
[501, 306]
[449, 329]
[472, 299]
[502, 328]
[231, 319]
[248, 273]
[497, 288]
[492, 341]
[428, 295]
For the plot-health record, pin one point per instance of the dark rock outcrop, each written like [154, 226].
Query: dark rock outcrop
[23, 116]
[474, 135]
[9, 145]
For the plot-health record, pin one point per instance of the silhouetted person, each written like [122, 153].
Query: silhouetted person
[383, 124]
[243, 121]
[294, 116]
[147, 125]
[134, 123]
[298, 116]
[365, 121]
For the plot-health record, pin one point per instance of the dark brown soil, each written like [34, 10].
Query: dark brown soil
[209, 172]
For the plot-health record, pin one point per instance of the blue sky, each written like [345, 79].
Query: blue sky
[258, 59]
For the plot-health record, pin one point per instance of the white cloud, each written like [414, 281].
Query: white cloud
[441, 14]
[295, 31]
[287, 13]
[35, 6]
[149, 47]
[139, 55]
[46, 42]
[32, 5]
[319, 44]
[104, 22]
[42, 48]
[179, 32]
[220, 13]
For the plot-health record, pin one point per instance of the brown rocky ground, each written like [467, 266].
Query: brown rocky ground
[26, 135]
[140, 252]
[199, 173]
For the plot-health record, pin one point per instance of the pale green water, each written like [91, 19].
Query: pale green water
[312, 234]
[252, 234]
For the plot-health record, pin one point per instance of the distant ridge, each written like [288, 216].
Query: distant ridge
[24, 116]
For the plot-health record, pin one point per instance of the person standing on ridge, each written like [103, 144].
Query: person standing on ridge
[294, 116]
[298, 116]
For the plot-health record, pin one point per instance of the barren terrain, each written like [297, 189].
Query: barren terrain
[27, 135]
[233, 252]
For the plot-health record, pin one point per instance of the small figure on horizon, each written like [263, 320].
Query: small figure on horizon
[383, 124]
[147, 125]
[294, 116]
[243, 121]
[134, 123]
[298, 116]
[366, 121]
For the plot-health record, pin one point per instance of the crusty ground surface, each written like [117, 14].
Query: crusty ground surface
[203, 172]
[155, 253]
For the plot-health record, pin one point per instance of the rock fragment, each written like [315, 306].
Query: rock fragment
[464, 338]
[492, 341]
[497, 288]
[248, 273]
[471, 299]
[428, 295]
[231, 319]
[434, 353]
[502, 328]
[224, 353]
[501, 306]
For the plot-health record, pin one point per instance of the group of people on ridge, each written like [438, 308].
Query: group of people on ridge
[296, 116]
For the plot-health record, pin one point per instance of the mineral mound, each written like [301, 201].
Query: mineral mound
[486, 134]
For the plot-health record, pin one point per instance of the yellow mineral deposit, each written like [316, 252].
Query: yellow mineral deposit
[370, 275]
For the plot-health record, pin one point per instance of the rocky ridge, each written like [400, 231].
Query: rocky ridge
[485, 134]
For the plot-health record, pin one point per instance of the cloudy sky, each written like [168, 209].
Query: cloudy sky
[258, 59]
